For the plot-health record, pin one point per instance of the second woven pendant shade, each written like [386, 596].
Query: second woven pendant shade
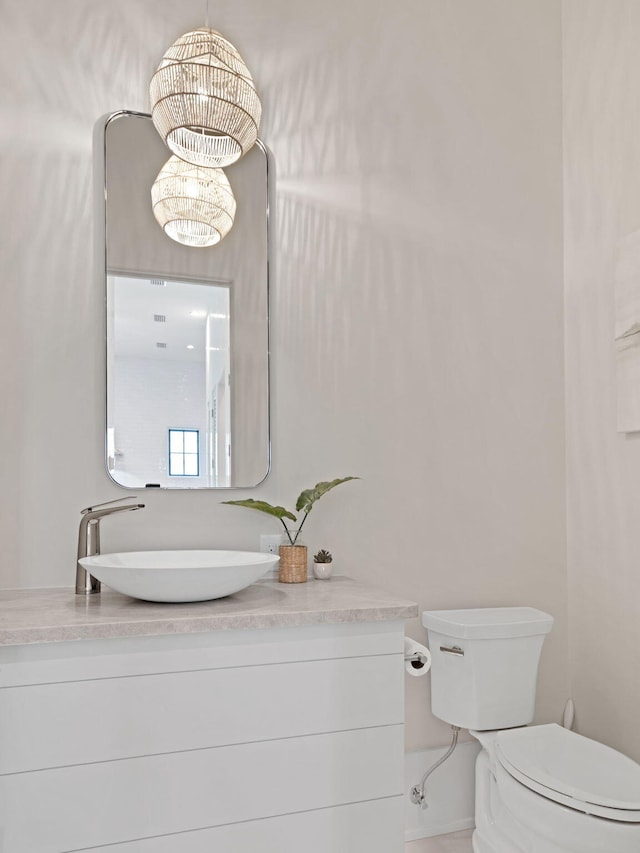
[194, 205]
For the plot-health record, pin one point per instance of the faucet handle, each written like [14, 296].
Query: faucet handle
[107, 503]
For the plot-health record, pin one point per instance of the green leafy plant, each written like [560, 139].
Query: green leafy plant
[322, 556]
[304, 504]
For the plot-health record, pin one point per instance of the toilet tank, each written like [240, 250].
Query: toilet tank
[485, 664]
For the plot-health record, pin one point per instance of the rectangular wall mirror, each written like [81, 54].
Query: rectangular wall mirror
[187, 328]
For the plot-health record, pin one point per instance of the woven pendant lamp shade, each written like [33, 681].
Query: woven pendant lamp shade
[193, 205]
[203, 101]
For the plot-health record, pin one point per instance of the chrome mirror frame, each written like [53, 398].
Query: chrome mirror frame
[101, 272]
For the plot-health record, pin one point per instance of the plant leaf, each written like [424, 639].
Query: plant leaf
[278, 511]
[308, 497]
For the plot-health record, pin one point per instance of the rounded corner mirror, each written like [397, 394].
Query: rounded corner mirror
[187, 328]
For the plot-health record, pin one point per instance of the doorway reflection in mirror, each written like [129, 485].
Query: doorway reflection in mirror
[169, 352]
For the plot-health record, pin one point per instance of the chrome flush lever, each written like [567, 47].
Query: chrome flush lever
[452, 650]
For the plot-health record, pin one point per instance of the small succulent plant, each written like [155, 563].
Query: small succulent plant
[304, 504]
[322, 556]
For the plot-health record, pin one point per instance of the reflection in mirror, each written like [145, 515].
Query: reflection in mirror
[187, 328]
[177, 373]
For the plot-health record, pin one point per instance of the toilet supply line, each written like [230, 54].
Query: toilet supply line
[417, 794]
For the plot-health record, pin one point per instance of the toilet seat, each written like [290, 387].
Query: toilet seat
[572, 770]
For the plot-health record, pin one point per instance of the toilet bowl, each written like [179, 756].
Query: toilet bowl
[539, 789]
[550, 790]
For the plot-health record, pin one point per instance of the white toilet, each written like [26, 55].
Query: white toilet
[539, 789]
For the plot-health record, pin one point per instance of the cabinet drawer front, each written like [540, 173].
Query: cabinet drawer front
[55, 725]
[91, 659]
[72, 808]
[373, 827]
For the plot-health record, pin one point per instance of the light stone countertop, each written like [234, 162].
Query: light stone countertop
[58, 614]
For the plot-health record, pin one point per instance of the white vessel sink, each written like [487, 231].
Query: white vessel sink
[175, 576]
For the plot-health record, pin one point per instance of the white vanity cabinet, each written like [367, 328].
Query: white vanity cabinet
[268, 740]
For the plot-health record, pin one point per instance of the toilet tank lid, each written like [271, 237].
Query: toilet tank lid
[488, 623]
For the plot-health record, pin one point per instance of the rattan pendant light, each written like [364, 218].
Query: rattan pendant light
[194, 205]
[203, 100]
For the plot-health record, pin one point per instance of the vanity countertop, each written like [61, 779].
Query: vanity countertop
[58, 614]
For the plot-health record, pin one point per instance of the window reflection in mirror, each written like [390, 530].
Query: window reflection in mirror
[187, 328]
[184, 452]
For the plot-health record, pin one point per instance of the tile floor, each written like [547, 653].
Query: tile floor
[457, 842]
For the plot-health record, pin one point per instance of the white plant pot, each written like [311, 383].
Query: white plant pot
[322, 571]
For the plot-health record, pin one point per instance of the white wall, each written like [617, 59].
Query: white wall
[416, 305]
[602, 205]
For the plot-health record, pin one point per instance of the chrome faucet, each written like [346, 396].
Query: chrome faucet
[89, 540]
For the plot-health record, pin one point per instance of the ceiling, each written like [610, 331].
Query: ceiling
[145, 312]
